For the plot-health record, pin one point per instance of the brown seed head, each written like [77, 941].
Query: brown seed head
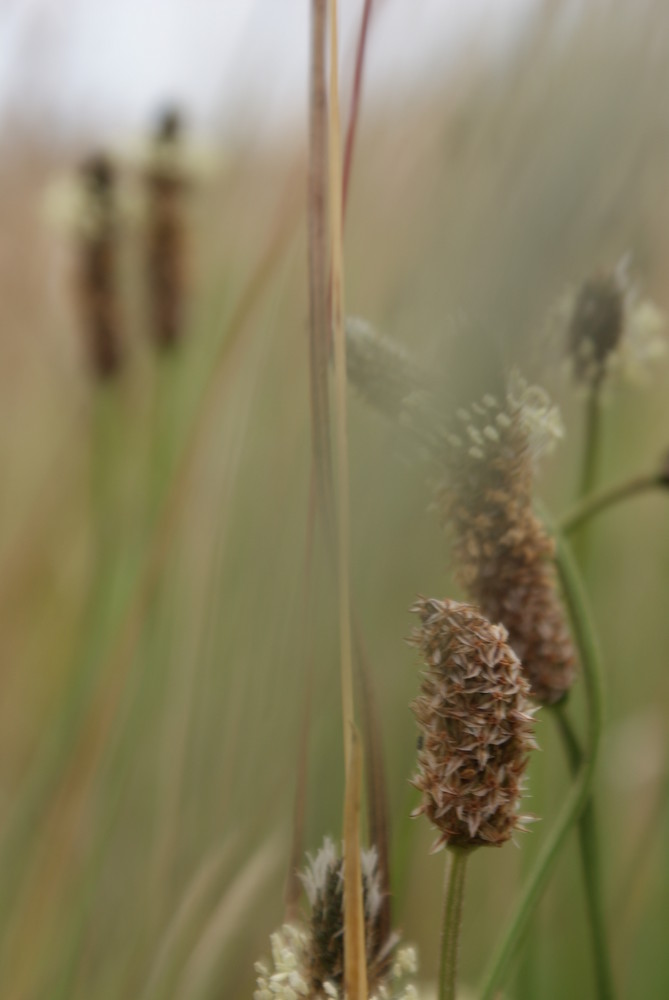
[97, 260]
[596, 326]
[166, 235]
[476, 726]
[500, 548]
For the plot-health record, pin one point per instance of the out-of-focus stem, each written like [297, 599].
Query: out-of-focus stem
[580, 791]
[587, 835]
[595, 503]
[590, 466]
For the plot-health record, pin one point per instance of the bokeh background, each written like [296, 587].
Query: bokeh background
[153, 634]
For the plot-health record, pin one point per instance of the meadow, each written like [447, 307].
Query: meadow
[166, 612]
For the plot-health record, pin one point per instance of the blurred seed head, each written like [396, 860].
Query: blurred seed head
[97, 173]
[166, 180]
[612, 329]
[381, 371]
[596, 326]
[169, 124]
[308, 960]
[501, 550]
[97, 249]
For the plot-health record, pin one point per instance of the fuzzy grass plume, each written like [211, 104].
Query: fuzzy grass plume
[308, 957]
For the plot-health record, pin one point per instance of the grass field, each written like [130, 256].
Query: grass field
[155, 622]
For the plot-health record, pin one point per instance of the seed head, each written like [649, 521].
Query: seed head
[166, 180]
[476, 726]
[382, 371]
[97, 261]
[309, 960]
[500, 548]
[611, 328]
[596, 326]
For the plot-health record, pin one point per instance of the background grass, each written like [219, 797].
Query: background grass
[152, 535]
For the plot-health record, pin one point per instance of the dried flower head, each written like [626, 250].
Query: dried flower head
[476, 726]
[308, 960]
[500, 548]
[611, 328]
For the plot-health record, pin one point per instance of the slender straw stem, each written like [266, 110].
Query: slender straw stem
[355, 966]
[450, 931]
[355, 102]
[580, 791]
[588, 839]
[594, 503]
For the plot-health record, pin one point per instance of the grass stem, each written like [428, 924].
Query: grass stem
[590, 465]
[594, 503]
[588, 840]
[452, 921]
[580, 791]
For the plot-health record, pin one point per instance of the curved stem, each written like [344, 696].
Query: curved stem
[580, 791]
[450, 931]
[593, 503]
[587, 835]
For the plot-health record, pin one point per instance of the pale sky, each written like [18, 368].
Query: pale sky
[109, 63]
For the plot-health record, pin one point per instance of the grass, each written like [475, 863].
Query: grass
[152, 687]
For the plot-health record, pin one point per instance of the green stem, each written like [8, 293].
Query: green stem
[590, 464]
[579, 793]
[594, 503]
[589, 467]
[587, 835]
[450, 932]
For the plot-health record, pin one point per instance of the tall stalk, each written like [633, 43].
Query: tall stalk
[590, 864]
[355, 965]
[587, 823]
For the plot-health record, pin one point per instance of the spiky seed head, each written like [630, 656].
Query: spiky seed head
[501, 550]
[476, 726]
[309, 959]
